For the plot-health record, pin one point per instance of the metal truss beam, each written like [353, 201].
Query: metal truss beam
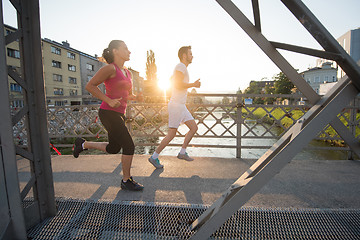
[17, 219]
[281, 153]
[270, 50]
[12, 221]
[323, 112]
[324, 38]
[37, 134]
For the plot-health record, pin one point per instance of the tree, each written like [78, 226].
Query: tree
[151, 87]
[151, 68]
[282, 84]
[269, 90]
[254, 88]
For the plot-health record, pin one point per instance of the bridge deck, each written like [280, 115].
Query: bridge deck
[307, 198]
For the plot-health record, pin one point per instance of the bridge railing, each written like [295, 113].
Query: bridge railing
[239, 121]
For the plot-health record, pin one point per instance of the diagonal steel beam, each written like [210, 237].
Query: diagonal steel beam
[298, 136]
[324, 38]
[256, 11]
[262, 171]
[269, 50]
[308, 51]
[330, 45]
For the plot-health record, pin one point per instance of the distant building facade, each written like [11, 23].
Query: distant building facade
[319, 75]
[350, 41]
[138, 82]
[89, 65]
[66, 73]
[61, 73]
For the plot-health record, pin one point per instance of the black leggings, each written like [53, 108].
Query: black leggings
[118, 134]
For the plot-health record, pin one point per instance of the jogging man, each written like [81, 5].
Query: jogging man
[178, 113]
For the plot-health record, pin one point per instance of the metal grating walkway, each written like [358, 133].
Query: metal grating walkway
[86, 219]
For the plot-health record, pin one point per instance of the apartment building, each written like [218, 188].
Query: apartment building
[350, 41]
[66, 73]
[62, 73]
[138, 82]
[89, 65]
[320, 75]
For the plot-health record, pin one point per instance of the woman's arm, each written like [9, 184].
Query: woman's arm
[104, 73]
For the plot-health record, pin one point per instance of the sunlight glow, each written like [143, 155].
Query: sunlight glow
[164, 84]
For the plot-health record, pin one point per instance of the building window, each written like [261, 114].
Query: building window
[90, 67]
[17, 103]
[15, 87]
[58, 91]
[334, 79]
[317, 79]
[56, 50]
[326, 79]
[57, 77]
[73, 92]
[72, 80]
[59, 103]
[71, 68]
[89, 78]
[13, 53]
[56, 64]
[71, 55]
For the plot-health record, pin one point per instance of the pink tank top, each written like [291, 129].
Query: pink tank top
[118, 87]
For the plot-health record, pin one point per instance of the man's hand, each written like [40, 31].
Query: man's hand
[197, 83]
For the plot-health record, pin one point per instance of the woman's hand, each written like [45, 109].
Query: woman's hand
[114, 103]
[131, 97]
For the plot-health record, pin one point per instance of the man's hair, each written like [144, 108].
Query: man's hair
[182, 51]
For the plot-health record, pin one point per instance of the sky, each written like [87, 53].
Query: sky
[225, 58]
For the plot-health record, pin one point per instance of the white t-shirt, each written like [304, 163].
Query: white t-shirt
[179, 95]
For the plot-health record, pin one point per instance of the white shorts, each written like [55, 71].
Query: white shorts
[178, 113]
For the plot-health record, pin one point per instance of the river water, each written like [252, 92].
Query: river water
[245, 152]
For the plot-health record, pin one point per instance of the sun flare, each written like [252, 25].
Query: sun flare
[163, 84]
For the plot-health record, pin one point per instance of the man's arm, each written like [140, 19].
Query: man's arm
[180, 84]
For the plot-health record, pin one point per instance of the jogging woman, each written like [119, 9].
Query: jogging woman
[118, 84]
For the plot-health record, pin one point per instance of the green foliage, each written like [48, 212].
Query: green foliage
[253, 88]
[282, 84]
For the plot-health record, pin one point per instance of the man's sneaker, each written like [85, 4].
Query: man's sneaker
[77, 149]
[155, 162]
[131, 185]
[185, 157]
